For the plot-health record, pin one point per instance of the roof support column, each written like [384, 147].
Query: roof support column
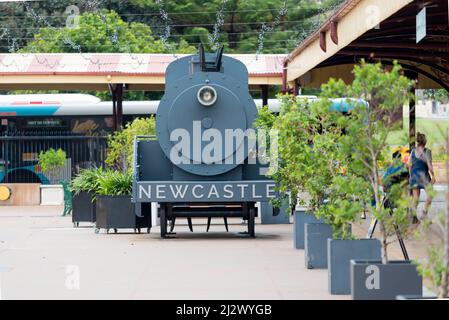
[117, 105]
[412, 111]
[284, 78]
[264, 90]
[296, 88]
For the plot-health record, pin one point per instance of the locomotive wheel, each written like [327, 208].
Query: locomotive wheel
[172, 224]
[251, 223]
[163, 219]
[115, 230]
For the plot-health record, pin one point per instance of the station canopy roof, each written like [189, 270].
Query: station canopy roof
[95, 71]
[376, 30]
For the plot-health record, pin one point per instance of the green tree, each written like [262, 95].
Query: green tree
[243, 21]
[51, 159]
[121, 143]
[105, 32]
[312, 161]
[439, 95]
[365, 139]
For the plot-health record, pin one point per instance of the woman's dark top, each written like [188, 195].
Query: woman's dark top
[420, 177]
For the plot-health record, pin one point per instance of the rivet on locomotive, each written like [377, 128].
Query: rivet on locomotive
[202, 162]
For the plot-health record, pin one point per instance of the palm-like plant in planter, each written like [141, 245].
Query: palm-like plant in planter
[87, 181]
[115, 183]
[84, 188]
[114, 207]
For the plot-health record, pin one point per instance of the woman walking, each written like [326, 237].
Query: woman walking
[421, 173]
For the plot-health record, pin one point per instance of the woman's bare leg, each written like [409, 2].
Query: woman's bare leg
[415, 193]
[428, 201]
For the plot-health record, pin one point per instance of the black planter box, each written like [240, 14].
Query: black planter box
[83, 208]
[372, 280]
[339, 255]
[118, 212]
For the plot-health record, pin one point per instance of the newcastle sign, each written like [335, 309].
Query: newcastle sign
[192, 191]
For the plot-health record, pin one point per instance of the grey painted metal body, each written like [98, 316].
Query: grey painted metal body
[172, 168]
[272, 215]
[300, 218]
[315, 245]
[372, 280]
[339, 255]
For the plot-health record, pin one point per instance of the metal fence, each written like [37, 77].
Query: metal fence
[19, 156]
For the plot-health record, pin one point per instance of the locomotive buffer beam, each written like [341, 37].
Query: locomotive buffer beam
[172, 211]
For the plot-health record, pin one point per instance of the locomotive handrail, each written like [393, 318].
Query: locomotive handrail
[136, 165]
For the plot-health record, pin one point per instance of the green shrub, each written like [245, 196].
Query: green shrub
[52, 159]
[87, 181]
[121, 143]
[115, 183]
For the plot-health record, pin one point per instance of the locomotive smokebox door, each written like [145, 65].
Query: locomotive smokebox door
[216, 101]
[198, 167]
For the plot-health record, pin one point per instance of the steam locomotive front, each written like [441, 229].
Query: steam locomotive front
[202, 164]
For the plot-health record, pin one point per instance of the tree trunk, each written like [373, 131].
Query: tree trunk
[384, 239]
[232, 37]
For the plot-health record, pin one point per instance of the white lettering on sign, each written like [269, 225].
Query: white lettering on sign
[242, 189]
[192, 191]
[255, 196]
[160, 193]
[146, 191]
[270, 190]
[228, 192]
[179, 192]
[213, 191]
[198, 186]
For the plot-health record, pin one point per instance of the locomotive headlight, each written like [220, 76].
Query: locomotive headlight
[207, 96]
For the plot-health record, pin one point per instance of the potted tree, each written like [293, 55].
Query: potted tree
[84, 188]
[294, 169]
[52, 163]
[365, 143]
[345, 193]
[303, 169]
[279, 210]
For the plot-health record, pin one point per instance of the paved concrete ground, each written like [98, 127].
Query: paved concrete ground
[40, 254]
